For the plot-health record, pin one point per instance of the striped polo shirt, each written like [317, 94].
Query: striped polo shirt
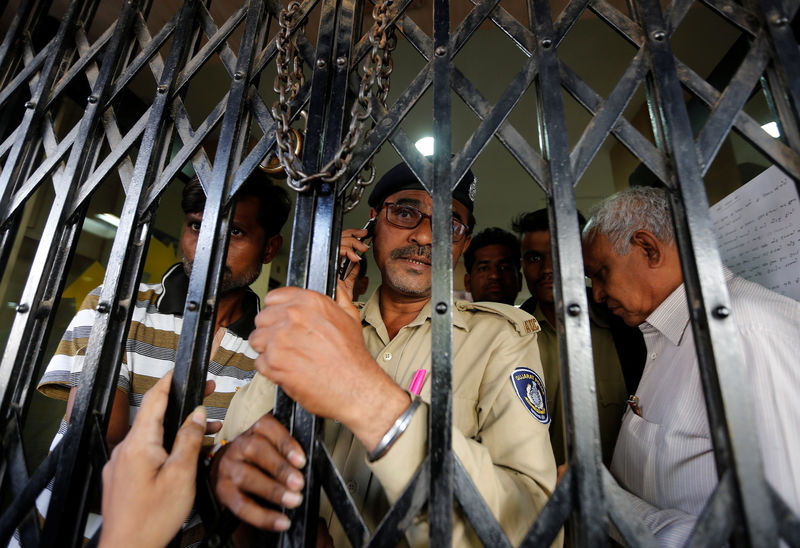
[150, 351]
[152, 344]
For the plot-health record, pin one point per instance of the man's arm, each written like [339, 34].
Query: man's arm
[770, 353]
[670, 526]
[120, 416]
[64, 369]
[503, 447]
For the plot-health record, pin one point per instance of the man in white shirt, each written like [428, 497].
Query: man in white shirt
[664, 456]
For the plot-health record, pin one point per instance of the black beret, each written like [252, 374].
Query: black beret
[400, 177]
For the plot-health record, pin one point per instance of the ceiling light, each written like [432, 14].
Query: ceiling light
[425, 146]
[101, 229]
[113, 220]
[772, 129]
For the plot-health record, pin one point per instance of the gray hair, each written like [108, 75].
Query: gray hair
[621, 214]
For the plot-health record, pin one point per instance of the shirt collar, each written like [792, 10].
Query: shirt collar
[175, 286]
[371, 314]
[671, 317]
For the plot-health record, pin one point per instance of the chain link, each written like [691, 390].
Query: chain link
[375, 78]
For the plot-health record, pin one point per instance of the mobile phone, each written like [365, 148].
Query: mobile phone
[345, 265]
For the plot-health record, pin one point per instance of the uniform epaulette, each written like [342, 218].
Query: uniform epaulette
[524, 323]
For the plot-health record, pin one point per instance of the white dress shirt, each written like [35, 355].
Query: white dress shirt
[664, 458]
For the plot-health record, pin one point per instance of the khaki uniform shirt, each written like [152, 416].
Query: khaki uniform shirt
[502, 445]
[611, 392]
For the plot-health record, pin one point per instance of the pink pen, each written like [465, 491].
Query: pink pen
[416, 383]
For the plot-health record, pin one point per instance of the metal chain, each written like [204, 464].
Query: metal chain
[377, 69]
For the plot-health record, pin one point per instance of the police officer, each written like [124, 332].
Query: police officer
[364, 368]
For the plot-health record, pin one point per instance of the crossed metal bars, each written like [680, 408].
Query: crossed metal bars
[33, 155]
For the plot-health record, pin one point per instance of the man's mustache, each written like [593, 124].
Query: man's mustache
[423, 251]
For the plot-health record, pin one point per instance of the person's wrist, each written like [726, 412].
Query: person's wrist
[395, 431]
[377, 411]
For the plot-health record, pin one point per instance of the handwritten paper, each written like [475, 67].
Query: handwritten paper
[758, 232]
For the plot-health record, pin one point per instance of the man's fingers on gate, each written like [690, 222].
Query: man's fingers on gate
[280, 296]
[250, 511]
[188, 441]
[252, 479]
[212, 427]
[271, 429]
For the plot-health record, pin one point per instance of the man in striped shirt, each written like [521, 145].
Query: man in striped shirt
[664, 456]
[261, 210]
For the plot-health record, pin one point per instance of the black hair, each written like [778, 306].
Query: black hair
[492, 236]
[536, 221]
[274, 200]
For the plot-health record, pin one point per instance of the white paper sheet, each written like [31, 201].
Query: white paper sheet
[758, 231]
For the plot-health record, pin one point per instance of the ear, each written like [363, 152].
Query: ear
[650, 246]
[467, 241]
[519, 281]
[373, 213]
[460, 253]
[274, 244]
[466, 282]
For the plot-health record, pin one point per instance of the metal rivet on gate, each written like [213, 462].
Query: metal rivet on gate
[574, 309]
[29, 104]
[441, 308]
[341, 61]
[721, 312]
[103, 307]
[22, 308]
[93, 99]
[659, 35]
[780, 20]
[192, 306]
[441, 50]
[321, 63]
[238, 75]
[546, 43]
[162, 88]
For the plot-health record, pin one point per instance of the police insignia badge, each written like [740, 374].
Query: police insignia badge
[530, 389]
[473, 188]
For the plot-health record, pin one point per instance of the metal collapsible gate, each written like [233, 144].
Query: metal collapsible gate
[33, 82]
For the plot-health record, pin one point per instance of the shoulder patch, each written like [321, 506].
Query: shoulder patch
[530, 388]
[523, 323]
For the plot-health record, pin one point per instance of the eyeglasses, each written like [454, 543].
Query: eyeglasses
[406, 216]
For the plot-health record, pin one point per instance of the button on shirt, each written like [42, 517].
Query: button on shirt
[665, 457]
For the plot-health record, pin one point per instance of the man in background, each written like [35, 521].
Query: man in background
[537, 266]
[152, 340]
[664, 455]
[492, 263]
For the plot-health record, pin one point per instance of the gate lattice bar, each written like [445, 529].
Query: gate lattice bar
[147, 150]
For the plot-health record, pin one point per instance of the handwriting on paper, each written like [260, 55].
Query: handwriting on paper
[758, 232]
